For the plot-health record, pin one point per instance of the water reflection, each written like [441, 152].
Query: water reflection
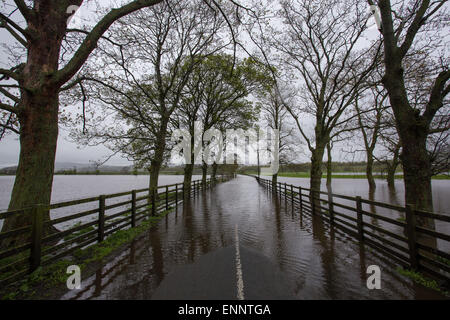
[320, 262]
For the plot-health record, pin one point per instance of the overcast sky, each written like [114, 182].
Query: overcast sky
[68, 151]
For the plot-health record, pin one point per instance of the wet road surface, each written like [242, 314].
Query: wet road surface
[238, 241]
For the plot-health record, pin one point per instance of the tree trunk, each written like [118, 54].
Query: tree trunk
[157, 160]
[257, 158]
[188, 170]
[274, 182]
[38, 118]
[392, 167]
[391, 176]
[412, 129]
[155, 168]
[329, 169]
[316, 172]
[417, 174]
[34, 176]
[369, 173]
[214, 172]
[204, 172]
[189, 167]
[316, 168]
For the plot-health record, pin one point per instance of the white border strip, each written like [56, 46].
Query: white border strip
[240, 281]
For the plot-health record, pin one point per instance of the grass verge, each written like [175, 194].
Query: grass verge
[419, 278]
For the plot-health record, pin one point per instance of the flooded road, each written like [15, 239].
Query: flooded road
[238, 241]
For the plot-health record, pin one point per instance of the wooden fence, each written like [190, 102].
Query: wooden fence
[99, 218]
[402, 240]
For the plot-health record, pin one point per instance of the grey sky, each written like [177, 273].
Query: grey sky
[68, 151]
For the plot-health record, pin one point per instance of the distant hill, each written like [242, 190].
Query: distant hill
[61, 167]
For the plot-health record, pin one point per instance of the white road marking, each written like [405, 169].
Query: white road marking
[240, 281]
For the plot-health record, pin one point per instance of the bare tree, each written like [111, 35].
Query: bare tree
[413, 28]
[140, 77]
[370, 125]
[390, 157]
[276, 116]
[319, 42]
[37, 69]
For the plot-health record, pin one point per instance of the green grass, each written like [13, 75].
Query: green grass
[417, 277]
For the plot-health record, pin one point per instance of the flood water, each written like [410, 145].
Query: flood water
[360, 187]
[67, 188]
[318, 262]
[75, 187]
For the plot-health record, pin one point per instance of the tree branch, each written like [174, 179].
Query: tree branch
[417, 23]
[8, 108]
[438, 93]
[90, 42]
[26, 12]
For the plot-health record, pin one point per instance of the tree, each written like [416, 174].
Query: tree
[275, 115]
[31, 87]
[156, 51]
[413, 29]
[319, 42]
[390, 158]
[370, 125]
[215, 97]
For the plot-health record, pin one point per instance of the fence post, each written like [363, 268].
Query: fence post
[292, 197]
[300, 198]
[176, 195]
[412, 237]
[285, 194]
[133, 208]
[167, 198]
[37, 214]
[359, 218]
[101, 218]
[330, 207]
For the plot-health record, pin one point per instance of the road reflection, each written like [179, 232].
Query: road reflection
[320, 262]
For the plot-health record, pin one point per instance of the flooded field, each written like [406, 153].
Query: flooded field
[75, 187]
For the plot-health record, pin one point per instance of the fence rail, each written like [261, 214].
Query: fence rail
[409, 245]
[105, 215]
